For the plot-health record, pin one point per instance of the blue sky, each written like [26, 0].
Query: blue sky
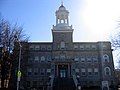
[92, 20]
[36, 16]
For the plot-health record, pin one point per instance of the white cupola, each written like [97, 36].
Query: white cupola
[62, 16]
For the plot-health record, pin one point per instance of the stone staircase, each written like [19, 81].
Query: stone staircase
[63, 84]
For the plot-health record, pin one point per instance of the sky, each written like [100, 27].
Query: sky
[92, 20]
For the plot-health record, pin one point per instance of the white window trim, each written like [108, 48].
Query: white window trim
[62, 45]
[83, 71]
[106, 57]
[42, 58]
[108, 69]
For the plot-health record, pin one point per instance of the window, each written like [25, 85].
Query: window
[36, 59]
[89, 71]
[48, 58]
[48, 71]
[106, 58]
[42, 58]
[29, 71]
[56, 57]
[81, 47]
[107, 71]
[83, 72]
[62, 56]
[75, 46]
[62, 45]
[30, 59]
[35, 71]
[37, 47]
[76, 59]
[93, 47]
[43, 47]
[87, 46]
[89, 60]
[42, 71]
[62, 21]
[104, 46]
[31, 47]
[95, 59]
[49, 48]
[82, 59]
[96, 71]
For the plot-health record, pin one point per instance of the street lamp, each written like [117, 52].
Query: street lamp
[19, 61]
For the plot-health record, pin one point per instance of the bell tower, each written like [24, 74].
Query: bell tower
[62, 33]
[62, 16]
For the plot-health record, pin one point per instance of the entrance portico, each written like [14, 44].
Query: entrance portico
[62, 70]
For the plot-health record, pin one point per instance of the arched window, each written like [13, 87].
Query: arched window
[106, 58]
[107, 71]
[42, 58]
[62, 45]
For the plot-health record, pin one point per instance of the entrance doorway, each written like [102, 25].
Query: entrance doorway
[63, 71]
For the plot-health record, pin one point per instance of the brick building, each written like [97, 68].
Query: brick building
[63, 64]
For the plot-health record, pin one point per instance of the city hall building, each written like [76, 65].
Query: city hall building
[63, 64]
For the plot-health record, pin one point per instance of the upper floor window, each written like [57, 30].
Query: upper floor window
[89, 71]
[37, 47]
[107, 71]
[82, 59]
[62, 56]
[42, 58]
[35, 71]
[36, 59]
[48, 71]
[29, 71]
[30, 59]
[75, 46]
[62, 45]
[81, 47]
[76, 58]
[106, 58]
[95, 59]
[83, 71]
[87, 46]
[49, 48]
[89, 59]
[104, 46]
[31, 47]
[42, 71]
[96, 71]
[93, 47]
[43, 47]
[48, 58]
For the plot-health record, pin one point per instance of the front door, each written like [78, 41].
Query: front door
[63, 71]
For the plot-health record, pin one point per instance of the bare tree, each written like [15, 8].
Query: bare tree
[115, 39]
[7, 40]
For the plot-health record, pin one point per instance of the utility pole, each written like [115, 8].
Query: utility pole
[19, 61]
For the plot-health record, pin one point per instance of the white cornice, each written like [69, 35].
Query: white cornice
[62, 30]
